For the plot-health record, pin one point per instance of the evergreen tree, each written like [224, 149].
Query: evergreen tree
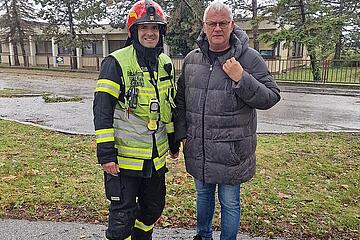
[185, 25]
[344, 15]
[67, 19]
[250, 9]
[300, 21]
[17, 25]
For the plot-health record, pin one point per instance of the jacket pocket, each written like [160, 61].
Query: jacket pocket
[113, 188]
[243, 149]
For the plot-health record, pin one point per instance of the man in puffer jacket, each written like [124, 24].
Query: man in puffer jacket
[221, 85]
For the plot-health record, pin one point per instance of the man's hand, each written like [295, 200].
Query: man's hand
[183, 142]
[233, 69]
[111, 168]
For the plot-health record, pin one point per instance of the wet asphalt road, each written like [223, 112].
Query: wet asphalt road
[300, 110]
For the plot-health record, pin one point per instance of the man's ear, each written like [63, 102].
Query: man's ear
[232, 25]
[203, 27]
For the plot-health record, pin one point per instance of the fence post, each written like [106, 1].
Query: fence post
[325, 70]
[48, 61]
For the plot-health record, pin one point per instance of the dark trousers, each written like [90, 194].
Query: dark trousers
[141, 199]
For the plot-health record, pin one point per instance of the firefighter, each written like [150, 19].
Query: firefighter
[132, 108]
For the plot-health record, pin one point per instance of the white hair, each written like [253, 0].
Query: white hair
[218, 6]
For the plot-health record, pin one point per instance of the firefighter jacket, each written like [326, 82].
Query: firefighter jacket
[127, 135]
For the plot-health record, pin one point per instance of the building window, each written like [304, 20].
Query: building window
[297, 50]
[93, 48]
[64, 51]
[115, 45]
[43, 47]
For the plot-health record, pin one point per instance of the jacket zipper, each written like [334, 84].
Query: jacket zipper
[154, 83]
[203, 123]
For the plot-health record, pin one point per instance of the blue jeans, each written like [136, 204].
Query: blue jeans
[229, 197]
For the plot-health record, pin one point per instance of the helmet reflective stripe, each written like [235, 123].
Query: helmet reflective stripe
[108, 86]
[142, 226]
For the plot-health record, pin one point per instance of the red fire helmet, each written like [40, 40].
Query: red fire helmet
[146, 11]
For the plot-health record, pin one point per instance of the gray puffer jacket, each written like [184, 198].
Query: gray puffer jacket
[218, 116]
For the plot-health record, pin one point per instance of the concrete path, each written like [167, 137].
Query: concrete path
[43, 230]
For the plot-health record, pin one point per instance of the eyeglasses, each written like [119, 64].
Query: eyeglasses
[222, 24]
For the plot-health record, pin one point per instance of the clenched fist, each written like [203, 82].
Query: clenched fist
[233, 69]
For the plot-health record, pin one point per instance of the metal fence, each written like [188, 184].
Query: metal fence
[341, 72]
[294, 70]
[48, 61]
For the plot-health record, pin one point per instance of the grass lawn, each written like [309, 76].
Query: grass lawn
[334, 75]
[307, 184]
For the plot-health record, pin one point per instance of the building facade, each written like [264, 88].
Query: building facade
[103, 40]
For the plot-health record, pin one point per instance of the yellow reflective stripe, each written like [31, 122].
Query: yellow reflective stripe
[129, 163]
[128, 238]
[146, 89]
[169, 127]
[105, 135]
[147, 74]
[137, 149]
[163, 147]
[105, 131]
[159, 162]
[136, 152]
[109, 82]
[108, 86]
[146, 93]
[142, 226]
[107, 90]
[107, 139]
[164, 86]
[163, 91]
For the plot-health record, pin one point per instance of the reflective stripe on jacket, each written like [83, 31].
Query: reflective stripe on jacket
[132, 138]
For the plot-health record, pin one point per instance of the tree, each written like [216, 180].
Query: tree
[252, 9]
[17, 24]
[301, 21]
[185, 25]
[67, 19]
[8, 29]
[345, 15]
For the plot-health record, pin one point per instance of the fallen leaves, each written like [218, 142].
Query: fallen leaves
[9, 178]
[284, 196]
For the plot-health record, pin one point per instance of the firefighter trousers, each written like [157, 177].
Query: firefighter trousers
[140, 204]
